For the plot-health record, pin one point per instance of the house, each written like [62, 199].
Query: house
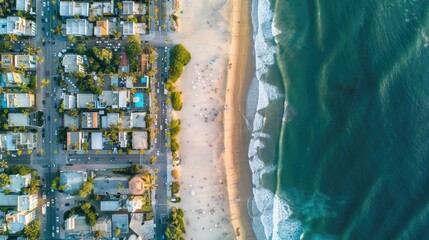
[73, 180]
[6, 60]
[139, 140]
[8, 200]
[104, 224]
[73, 63]
[26, 61]
[96, 141]
[144, 229]
[110, 119]
[22, 5]
[136, 186]
[134, 204]
[132, 28]
[74, 140]
[72, 8]
[18, 100]
[123, 139]
[83, 99]
[90, 120]
[78, 27]
[102, 8]
[133, 8]
[114, 99]
[27, 202]
[144, 60]
[110, 185]
[101, 28]
[77, 224]
[18, 26]
[18, 120]
[69, 101]
[17, 182]
[110, 206]
[18, 220]
[11, 141]
[120, 221]
[18, 61]
[137, 120]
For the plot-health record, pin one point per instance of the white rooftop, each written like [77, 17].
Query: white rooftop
[70, 9]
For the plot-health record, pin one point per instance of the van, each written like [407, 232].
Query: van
[47, 34]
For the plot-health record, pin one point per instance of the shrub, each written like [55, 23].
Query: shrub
[176, 101]
[175, 187]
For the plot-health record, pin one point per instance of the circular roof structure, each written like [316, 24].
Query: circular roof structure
[136, 186]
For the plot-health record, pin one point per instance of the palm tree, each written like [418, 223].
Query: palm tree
[11, 38]
[120, 187]
[44, 82]
[90, 105]
[26, 112]
[40, 59]
[3, 164]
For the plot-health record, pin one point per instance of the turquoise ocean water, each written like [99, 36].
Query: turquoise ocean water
[339, 114]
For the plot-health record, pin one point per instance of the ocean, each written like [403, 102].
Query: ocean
[339, 115]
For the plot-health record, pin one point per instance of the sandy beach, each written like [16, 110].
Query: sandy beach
[213, 138]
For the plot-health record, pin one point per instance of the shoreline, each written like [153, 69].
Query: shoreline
[239, 77]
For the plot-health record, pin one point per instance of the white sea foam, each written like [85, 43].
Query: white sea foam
[256, 164]
[274, 30]
[258, 122]
[274, 213]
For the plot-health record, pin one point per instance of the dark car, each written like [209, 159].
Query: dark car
[49, 118]
[44, 102]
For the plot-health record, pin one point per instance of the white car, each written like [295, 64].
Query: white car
[48, 204]
[44, 4]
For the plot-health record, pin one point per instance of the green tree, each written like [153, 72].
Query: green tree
[117, 232]
[73, 113]
[20, 169]
[133, 46]
[10, 38]
[98, 234]
[176, 226]
[44, 83]
[32, 230]
[180, 54]
[3, 164]
[90, 105]
[176, 101]
[152, 160]
[71, 39]
[117, 34]
[81, 48]
[4, 180]
[62, 187]
[175, 187]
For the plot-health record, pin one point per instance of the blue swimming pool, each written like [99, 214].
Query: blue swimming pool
[140, 102]
[143, 79]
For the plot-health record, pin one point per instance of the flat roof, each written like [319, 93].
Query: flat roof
[96, 140]
[18, 119]
[139, 140]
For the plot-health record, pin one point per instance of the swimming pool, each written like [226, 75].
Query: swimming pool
[140, 102]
